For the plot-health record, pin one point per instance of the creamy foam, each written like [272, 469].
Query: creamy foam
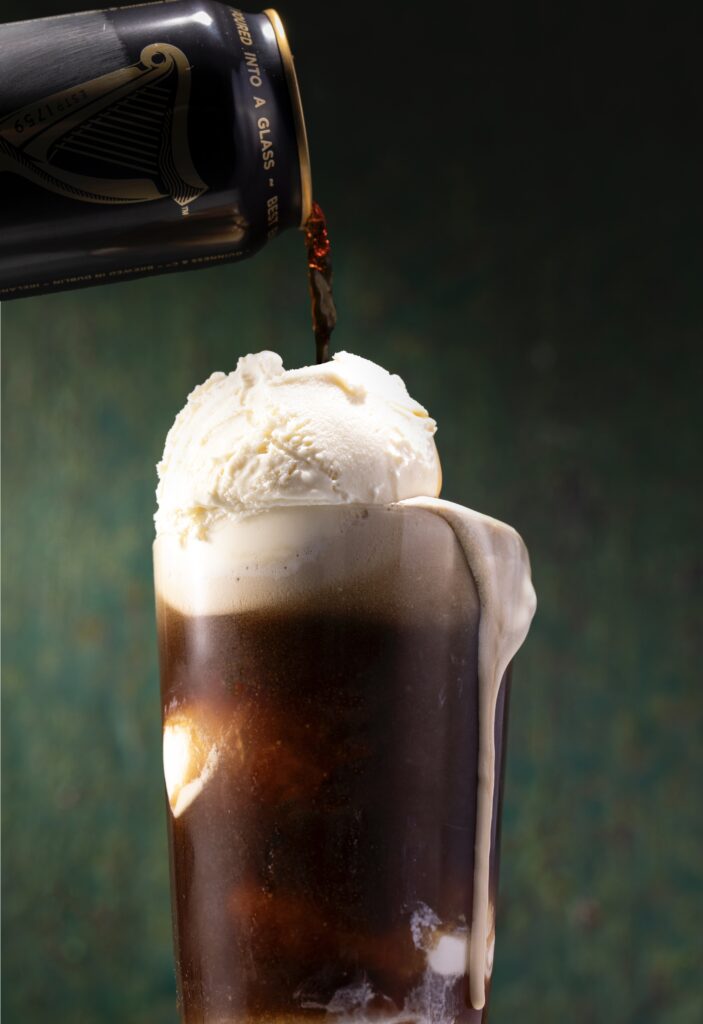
[349, 559]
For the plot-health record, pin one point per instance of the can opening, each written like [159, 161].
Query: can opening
[300, 132]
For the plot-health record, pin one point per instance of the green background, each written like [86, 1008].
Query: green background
[514, 196]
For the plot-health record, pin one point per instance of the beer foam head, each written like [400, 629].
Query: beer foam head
[379, 561]
[261, 437]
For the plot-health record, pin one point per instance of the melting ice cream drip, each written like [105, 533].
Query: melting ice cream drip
[358, 1002]
[436, 998]
[500, 566]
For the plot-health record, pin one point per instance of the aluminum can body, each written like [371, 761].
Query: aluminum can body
[144, 140]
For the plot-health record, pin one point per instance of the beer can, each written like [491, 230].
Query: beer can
[143, 140]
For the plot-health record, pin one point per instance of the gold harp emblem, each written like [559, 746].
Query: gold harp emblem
[120, 138]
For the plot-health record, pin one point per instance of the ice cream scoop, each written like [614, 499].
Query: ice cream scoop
[261, 437]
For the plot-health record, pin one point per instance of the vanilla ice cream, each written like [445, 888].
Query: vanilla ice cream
[342, 432]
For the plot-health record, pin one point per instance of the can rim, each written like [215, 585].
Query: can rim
[298, 117]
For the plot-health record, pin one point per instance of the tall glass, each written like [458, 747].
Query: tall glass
[320, 709]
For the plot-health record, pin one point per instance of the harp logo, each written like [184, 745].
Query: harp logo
[120, 138]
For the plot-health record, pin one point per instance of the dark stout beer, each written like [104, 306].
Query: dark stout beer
[322, 835]
[146, 139]
[319, 255]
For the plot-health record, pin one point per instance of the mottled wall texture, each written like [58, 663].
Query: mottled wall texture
[514, 193]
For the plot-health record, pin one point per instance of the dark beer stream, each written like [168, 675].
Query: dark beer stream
[324, 313]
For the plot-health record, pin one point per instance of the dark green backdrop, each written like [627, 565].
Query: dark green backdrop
[513, 191]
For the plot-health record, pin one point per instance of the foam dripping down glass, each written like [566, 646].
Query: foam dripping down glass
[334, 687]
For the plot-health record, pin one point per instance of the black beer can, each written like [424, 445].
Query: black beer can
[143, 140]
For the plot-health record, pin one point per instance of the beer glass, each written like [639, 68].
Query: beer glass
[320, 710]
